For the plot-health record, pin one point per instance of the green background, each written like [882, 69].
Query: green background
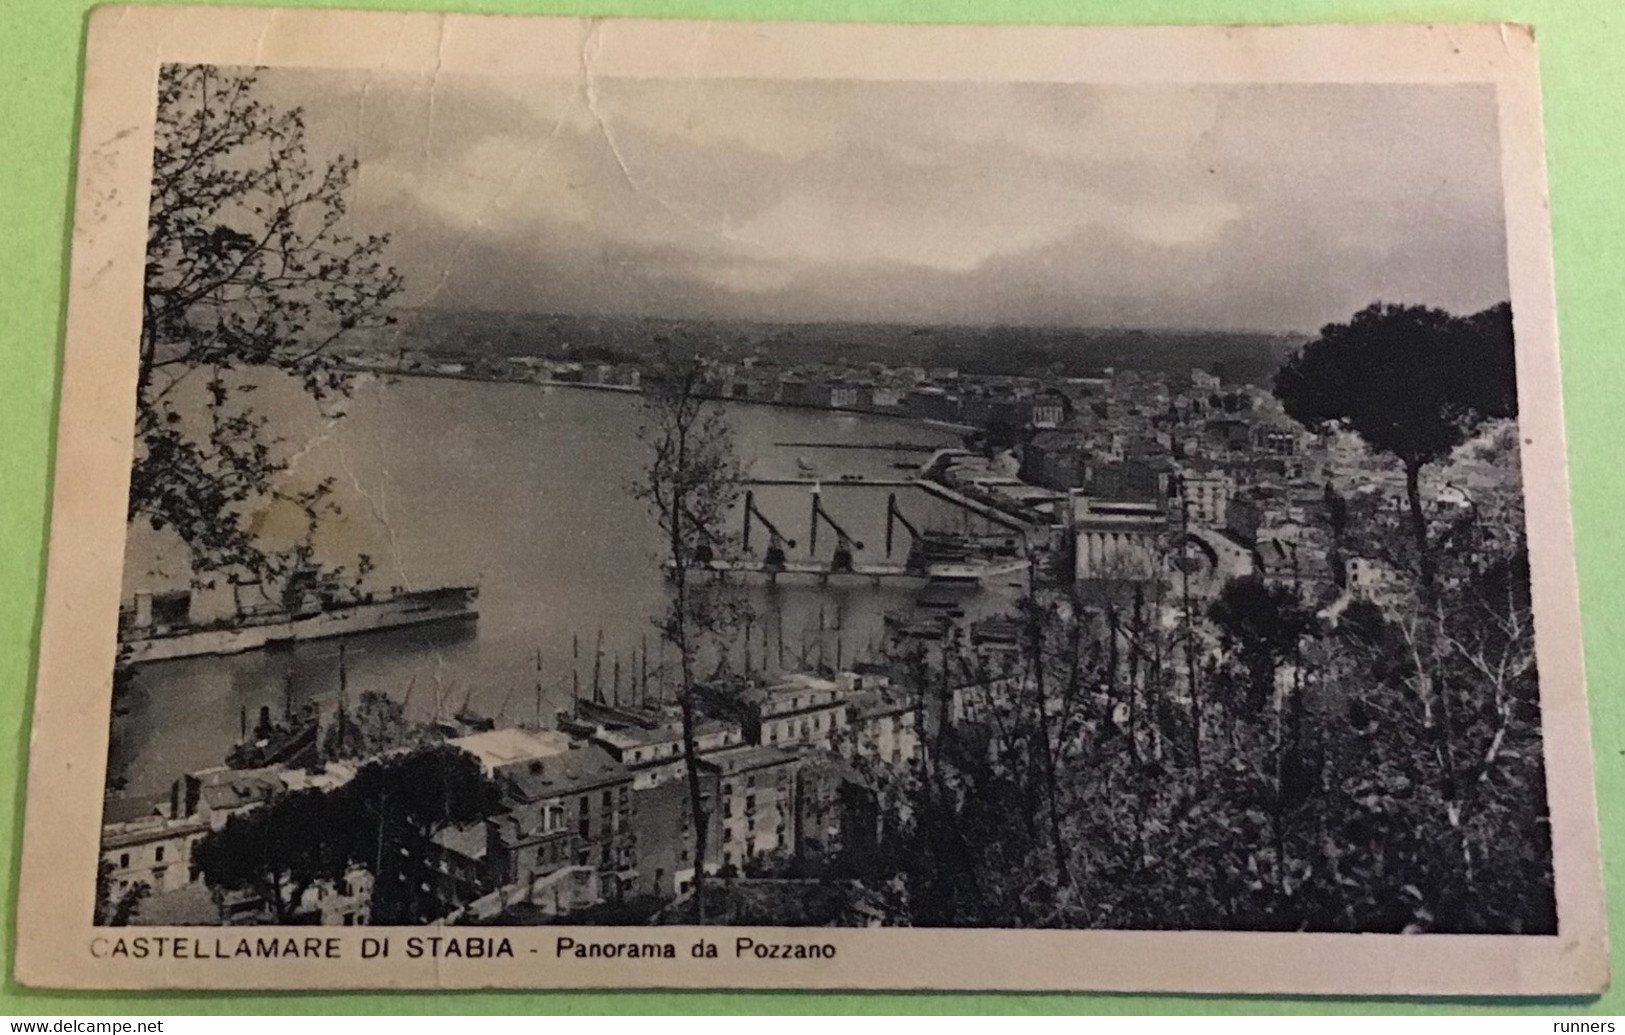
[1582, 51]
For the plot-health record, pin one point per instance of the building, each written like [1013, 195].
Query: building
[216, 794]
[1293, 557]
[573, 808]
[794, 392]
[1206, 559]
[1049, 408]
[458, 860]
[1137, 481]
[653, 754]
[1117, 540]
[883, 726]
[887, 398]
[835, 808]
[758, 802]
[1204, 493]
[847, 397]
[663, 830]
[1055, 460]
[1369, 579]
[342, 903]
[801, 710]
[499, 748]
[1276, 438]
[1202, 381]
[154, 850]
[932, 403]
[346, 903]
[1228, 433]
[662, 807]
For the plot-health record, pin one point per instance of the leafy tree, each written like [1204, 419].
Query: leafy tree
[278, 850]
[393, 809]
[1412, 381]
[691, 484]
[1265, 624]
[375, 725]
[248, 265]
[115, 908]
[1337, 517]
[383, 820]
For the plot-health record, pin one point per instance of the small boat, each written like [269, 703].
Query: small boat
[947, 606]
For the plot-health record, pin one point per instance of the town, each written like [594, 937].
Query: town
[1134, 492]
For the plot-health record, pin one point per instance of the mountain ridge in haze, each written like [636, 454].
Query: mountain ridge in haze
[467, 334]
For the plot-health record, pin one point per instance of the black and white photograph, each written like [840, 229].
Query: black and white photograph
[617, 502]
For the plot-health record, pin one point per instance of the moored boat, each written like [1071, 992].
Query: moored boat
[162, 630]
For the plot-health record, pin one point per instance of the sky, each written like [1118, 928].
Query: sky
[1268, 207]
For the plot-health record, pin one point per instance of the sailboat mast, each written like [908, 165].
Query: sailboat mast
[598, 669]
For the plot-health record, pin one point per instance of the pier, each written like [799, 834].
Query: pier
[961, 573]
[889, 447]
[977, 507]
[822, 569]
[830, 483]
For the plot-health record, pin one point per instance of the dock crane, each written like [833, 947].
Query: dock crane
[936, 554]
[894, 516]
[844, 543]
[776, 542]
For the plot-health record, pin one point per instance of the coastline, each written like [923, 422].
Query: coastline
[951, 427]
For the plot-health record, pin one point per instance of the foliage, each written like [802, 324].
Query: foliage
[248, 266]
[396, 805]
[383, 821]
[376, 725]
[1141, 763]
[691, 485]
[1264, 624]
[1411, 381]
[279, 850]
[116, 908]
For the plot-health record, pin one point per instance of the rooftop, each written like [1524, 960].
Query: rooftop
[749, 756]
[580, 768]
[875, 703]
[638, 737]
[191, 905]
[799, 683]
[125, 810]
[467, 841]
[503, 747]
[232, 788]
[148, 829]
[332, 776]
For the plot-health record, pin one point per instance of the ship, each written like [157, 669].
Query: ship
[948, 557]
[159, 627]
[291, 743]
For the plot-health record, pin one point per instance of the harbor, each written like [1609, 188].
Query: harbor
[549, 565]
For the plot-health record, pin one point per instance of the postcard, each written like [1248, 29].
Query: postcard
[624, 504]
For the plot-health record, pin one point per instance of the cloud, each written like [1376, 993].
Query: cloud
[1275, 207]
